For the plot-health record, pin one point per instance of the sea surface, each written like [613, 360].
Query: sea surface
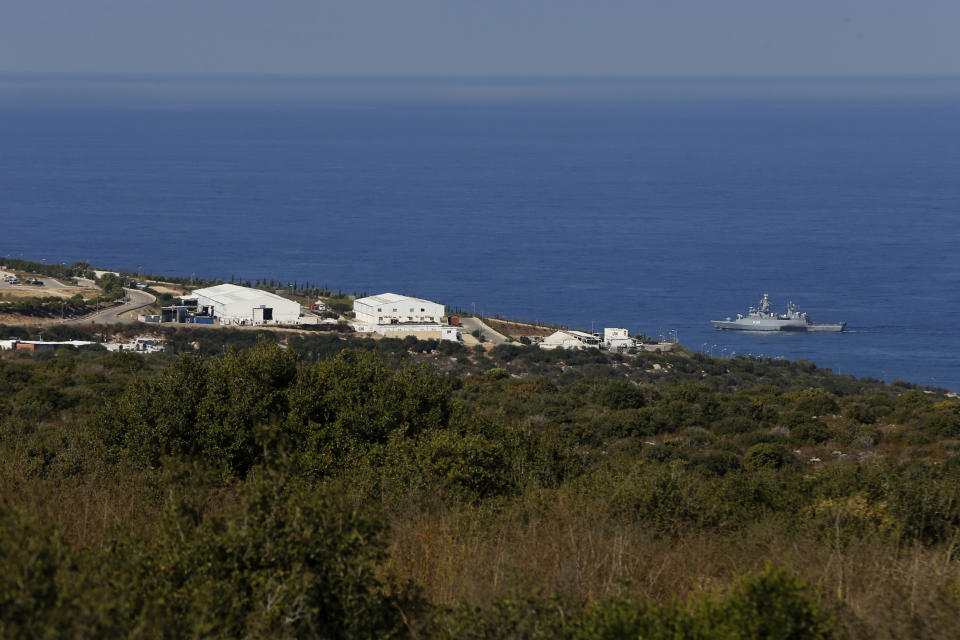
[651, 204]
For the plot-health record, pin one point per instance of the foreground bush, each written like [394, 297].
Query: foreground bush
[285, 561]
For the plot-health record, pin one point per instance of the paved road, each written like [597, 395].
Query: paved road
[124, 314]
[50, 283]
[472, 324]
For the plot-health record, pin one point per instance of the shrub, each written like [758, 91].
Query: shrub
[943, 420]
[768, 455]
[619, 394]
[760, 436]
[734, 424]
[813, 431]
[663, 453]
[773, 604]
[717, 462]
[32, 557]
[860, 412]
[496, 373]
[469, 466]
[814, 402]
[619, 424]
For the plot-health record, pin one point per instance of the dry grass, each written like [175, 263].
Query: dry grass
[517, 329]
[170, 288]
[20, 292]
[876, 589]
[24, 320]
[557, 548]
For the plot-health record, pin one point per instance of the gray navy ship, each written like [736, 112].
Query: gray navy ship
[763, 319]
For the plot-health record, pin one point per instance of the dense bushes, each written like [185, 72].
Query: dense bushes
[228, 409]
[283, 561]
[293, 492]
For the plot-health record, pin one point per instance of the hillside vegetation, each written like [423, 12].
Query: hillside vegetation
[384, 488]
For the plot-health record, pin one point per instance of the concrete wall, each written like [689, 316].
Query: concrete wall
[420, 332]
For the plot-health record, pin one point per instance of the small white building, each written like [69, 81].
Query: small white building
[391, 314]
[570, 340]
[617, 339]
[233, 304]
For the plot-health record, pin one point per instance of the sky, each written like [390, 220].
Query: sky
[482, 37]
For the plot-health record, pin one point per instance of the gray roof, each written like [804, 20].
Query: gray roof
[391, 298]
[230, 293]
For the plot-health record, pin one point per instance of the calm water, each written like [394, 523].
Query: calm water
[650, 204]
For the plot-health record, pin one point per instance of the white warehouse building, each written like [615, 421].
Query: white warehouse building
[399, 316]
[233, 304]
[392, 308]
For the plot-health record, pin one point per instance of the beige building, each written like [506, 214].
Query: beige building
[570, 340]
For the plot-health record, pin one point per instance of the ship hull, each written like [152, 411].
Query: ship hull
[774, 325]
[749, 324]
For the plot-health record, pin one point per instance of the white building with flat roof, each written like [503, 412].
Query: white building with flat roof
[391, 314]
[617, 339]
[233, 304]
[392, 308]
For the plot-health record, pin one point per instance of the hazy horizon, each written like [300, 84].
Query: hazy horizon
[162, 91]
[443, 37]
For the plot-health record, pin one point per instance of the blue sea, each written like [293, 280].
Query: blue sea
[655, 204]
